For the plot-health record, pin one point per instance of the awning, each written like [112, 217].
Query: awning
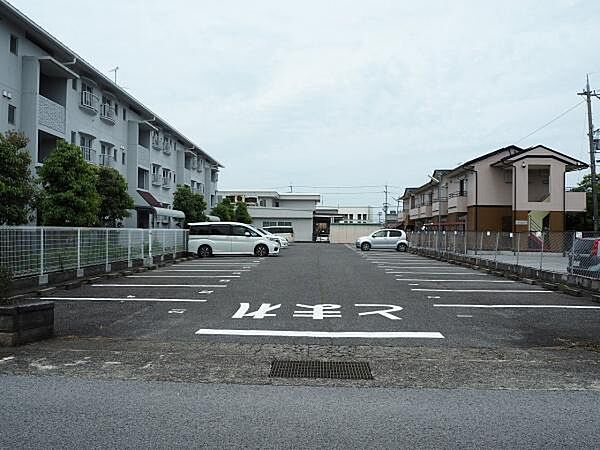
[175, 213]
[53, 68]
[150, 199]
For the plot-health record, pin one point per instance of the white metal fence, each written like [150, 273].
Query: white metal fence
[29, 251]
[561, 252]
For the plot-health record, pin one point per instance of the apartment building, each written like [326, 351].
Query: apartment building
[508, 189]
[50, 93]
[271, 208]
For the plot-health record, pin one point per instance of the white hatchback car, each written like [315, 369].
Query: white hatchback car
[383, 239]
[228, 238]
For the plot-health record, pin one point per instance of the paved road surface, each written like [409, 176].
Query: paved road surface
[72, 413]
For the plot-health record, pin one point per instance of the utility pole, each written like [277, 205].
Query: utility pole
[385, 205]
[588, 97]
[115, 70]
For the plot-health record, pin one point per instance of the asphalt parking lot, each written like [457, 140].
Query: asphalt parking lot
[326, 294]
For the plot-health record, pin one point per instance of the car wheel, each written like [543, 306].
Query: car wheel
[204, 251]
[365, 246]
[402, 247]
[261, 250]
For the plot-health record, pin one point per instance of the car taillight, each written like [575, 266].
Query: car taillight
[595, 247]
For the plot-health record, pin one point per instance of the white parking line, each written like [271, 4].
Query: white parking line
[518, 306]
[182, 276]
[162, 285]
[441, 273]
[456, 281]
[219, 264]
[207, 270]
[502, 291]
[325, 334]
[125, 299]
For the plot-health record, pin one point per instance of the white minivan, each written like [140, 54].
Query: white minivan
[228, 238]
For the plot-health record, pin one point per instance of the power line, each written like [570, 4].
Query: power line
[551, 122]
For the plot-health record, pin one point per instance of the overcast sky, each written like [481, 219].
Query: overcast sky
[352, 93]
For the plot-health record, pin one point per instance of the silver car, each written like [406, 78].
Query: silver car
[383, 239]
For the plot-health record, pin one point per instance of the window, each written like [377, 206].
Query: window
[262, 203]
[123, 157]
[115, 154]
[379, 234]
[74, 84]
[116, 109]
[269, 223]
[200, 230]
[12, 110]
[142, 178]
[508, 176]
[396, 233]
[124, 113]
[14, 44]
[239, 230]
[73, 137]
[220, 230]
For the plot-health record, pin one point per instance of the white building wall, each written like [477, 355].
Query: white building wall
[20, 87]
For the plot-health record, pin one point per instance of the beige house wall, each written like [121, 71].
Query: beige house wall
[349, 233]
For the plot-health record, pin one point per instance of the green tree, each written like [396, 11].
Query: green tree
[69, 196]
[224, 210]
[192, 204]
[114, 199]
[241, 213]
[17, 186]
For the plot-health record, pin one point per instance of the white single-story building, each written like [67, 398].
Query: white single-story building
[271, 208]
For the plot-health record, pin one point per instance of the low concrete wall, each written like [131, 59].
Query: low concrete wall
[342, 233]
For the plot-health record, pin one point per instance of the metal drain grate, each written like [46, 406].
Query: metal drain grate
[321, 369]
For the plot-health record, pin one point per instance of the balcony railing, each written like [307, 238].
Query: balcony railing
[107, 113]
[457, 194]
[89, 154]
[51, 114]
[166, 148]
[104, 160]
[89, 101]
[157, 179]
[166, 182]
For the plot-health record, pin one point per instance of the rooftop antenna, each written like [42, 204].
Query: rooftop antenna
[115, 70]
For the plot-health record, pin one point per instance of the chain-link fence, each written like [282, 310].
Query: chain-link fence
[29, 251]
[561, 252]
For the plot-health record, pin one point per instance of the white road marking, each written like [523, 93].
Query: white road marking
[456, 281]
[433, 296]
[125, 299]
[224, 281]
[219, 264]
[464, 315]
[513, 291]
[205, 292]
[6, 358]
[181, 276]
[518, 306]
[161, 285]
[413, 284]
[235, 271]
[177, 311]
[325, 334]
[443, 273]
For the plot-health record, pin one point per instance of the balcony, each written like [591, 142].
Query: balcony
[107, 113]
[157, 179]
[166, 148]
[143, 156]
[575, 201]
[425, 211]
[166, 182]
[89, 102]
[457, 202]
[440, 207]
[89, 154]
[51, 115]
[156, 142]
[104, 160]
[414, 213]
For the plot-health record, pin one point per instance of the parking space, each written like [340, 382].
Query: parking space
[327, 294]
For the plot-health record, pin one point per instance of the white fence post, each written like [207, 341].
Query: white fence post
[107, 267]
[43, 279]
[150, 245]
[142, 233]
[518, 246]
[164, 244]
[129, 262]
[79, 269]
[175, 234]
[542, 252]
[496, 252]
